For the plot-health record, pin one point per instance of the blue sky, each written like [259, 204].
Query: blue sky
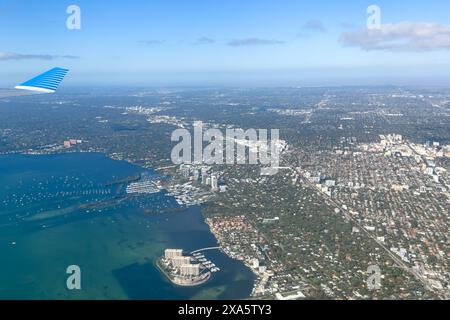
[230, 42]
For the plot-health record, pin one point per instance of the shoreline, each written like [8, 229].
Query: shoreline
[211, 230]
[258, 279]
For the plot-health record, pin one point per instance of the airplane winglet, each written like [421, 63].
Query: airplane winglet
[47, 82]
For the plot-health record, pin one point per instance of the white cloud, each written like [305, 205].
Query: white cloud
[152, 42]
[4, 55]
[204, 40]
[403, 36]
[314, 25]
[253, 42]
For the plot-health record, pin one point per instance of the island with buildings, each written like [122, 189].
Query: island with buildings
[183, 270]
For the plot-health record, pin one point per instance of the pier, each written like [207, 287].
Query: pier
[205, 249]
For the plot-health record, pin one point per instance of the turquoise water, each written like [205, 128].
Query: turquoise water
[61, 210]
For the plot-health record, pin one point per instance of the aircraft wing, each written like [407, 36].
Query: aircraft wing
[47, 82]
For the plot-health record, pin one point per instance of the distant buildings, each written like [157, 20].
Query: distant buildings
[201, 175]
[71, 142]
[330, 183]
[185, 171]
[214, 183]
[255, 264]
[196, 175]
[402, 253]
[296, 296]
[271, 220]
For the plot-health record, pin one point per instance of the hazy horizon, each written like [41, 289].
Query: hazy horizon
[287, 43]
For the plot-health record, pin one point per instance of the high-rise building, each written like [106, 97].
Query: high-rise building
[172, 253]
[330, 183]
[214, 183]
[190, 269]
[196, 174]
[185, 171]
[180, 261]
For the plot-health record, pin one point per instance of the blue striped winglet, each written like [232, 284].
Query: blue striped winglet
[47, 82]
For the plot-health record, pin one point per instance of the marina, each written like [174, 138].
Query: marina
[53, 205]
[142, 187]
[188, 195]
